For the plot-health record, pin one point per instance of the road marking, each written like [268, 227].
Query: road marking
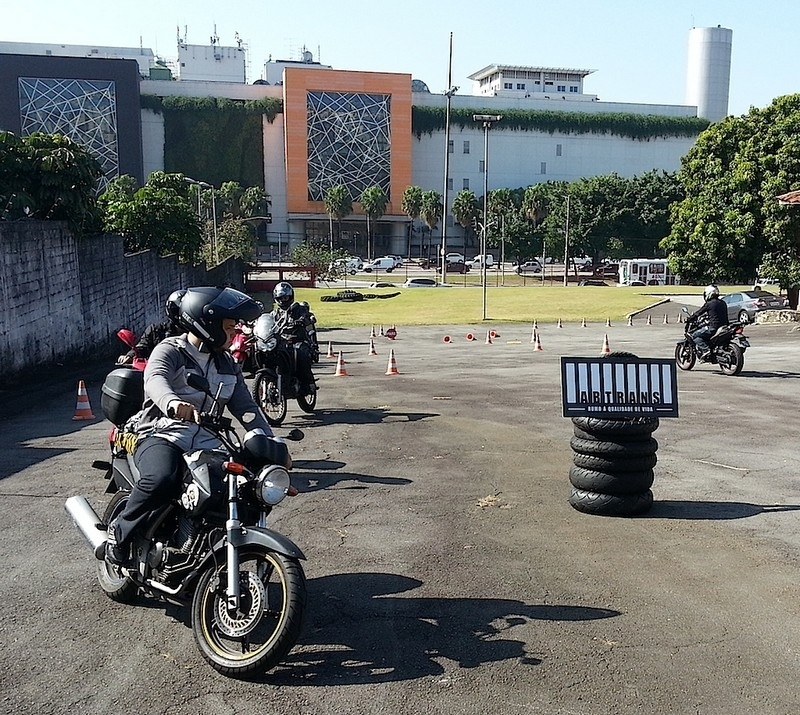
[724, 466]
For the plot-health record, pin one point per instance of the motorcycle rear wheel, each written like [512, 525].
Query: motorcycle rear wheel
[730, 359]
[685, 356]
[115, 583]
[256, 638]
[269, 398]
[307, 403]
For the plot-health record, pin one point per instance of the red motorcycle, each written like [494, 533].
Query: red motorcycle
[243, 346]
[136, 362]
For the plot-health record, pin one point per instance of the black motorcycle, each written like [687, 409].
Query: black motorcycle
[276, 356]
[211, 549]
[727, 348]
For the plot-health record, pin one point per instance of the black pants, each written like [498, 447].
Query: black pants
[160, 468]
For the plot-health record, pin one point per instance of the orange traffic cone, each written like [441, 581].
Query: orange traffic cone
[534, 330]
[535, 325]
[372, 332]
[83, 410]
[558, 325]
[680, 317]
[489, 337]
[470, 337]
[583, 322]
[538, 344]
[382, 334]
[608, 322]
[630, 320]
[649, 320]
[606, 349]
[330, 350]
[391, 368]
[340, 371]
[446, 339]
[666, 319]
[372, 350]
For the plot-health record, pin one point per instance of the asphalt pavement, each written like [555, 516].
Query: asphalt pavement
[446, 571]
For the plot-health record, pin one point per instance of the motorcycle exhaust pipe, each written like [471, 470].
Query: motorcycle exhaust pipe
[88, 523]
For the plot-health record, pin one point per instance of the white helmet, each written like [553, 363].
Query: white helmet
[710, 292]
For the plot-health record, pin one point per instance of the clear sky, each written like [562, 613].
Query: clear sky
[637, 47]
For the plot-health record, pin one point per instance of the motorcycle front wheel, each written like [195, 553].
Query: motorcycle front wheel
[269, 398]
[307, 403]
[730, 359]
[116, 584]
[256, 637]
[685, 356]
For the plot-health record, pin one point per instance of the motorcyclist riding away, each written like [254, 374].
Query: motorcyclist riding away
[717, 315]
[167, 426]
[297, 326]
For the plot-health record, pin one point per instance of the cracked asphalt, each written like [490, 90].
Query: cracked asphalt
[446, 571]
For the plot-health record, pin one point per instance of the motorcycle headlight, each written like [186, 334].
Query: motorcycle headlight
[267, 345]
[272, 484]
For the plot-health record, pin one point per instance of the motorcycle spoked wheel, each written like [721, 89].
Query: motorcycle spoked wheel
[257, 637]
[115, 583]
[685, 356]
[730, 359]
[269, 398]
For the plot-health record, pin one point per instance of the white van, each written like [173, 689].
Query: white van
[380, 264]
[479, 260]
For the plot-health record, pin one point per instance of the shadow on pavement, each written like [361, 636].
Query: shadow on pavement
[711, 510]
[778, 374]
[361, 417]
[357, 632]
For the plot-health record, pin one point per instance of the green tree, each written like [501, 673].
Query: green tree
[235, 239]
[159, 216]
[373, 201]
[431, 211]
[411, 204]
[729, 222]
[49, 177]
[338, 205]
[467, 213]
[317, 255]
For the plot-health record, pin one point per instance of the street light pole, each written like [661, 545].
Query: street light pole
[200, 186]
[451, 90]
[487, 120]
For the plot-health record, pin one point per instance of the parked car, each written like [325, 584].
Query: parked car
[380, 264]
[607, 270]
[592, 282]
[744, 306]
[454, 258]
[381, 284]
[581, 262]
[349, 265]
[547, 259]
[420, 283]
[529, 267]
[479, 260]
[398, 260]
[457, 267]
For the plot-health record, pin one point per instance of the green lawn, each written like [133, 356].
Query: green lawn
[462, 306]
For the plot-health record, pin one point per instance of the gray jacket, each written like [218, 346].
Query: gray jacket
[165, 381]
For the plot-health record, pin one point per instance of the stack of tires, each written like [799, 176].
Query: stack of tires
[613, 464]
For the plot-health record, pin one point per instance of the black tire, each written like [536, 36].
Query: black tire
[619, 484]
[617, 448]
[685, 356]
[329, 298]
[583, 434]
[271, 400]
[114, 582]
[611, 504]
[626, 426]
[731, 359]
[274, 601]
[614, 465]
[307, 403]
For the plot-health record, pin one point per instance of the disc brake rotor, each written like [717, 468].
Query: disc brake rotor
[253, 599]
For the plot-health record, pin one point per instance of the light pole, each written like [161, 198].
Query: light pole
[203, 185]
[487, 120]
[451, 90]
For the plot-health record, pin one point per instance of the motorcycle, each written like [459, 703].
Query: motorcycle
[211, 549]
[276, 379]
[727, 348]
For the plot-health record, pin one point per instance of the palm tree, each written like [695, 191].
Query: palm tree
[431, 211]
[466, 212]
[373, 201]
[411, 205]
[338, 204]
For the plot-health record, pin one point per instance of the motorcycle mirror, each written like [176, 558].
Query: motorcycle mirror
[127, 337]
[198, 382]
[684, 309]
[295, 434]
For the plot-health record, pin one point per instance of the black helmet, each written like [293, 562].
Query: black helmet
[202, 311]
[283, 294]
[173, 305]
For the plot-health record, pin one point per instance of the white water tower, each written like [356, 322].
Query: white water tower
[708, 75]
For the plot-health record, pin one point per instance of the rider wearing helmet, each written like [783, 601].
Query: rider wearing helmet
[155, 332]
[717, 316]
[297, 326]
[167, 426]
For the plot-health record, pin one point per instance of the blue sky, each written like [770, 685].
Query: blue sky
[637, 47]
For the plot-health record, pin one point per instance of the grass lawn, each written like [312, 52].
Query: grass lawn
[464, 305]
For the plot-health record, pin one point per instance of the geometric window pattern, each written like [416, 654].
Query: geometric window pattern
[348, 142]
[83, 110]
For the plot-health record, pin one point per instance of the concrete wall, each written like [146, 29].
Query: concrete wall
[63, 300]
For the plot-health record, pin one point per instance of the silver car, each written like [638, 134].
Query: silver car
[744, 306]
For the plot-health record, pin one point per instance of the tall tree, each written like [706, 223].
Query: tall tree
[338, 204]
[467, 213]
[431, 212]
[411, 205]
[373, 201]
